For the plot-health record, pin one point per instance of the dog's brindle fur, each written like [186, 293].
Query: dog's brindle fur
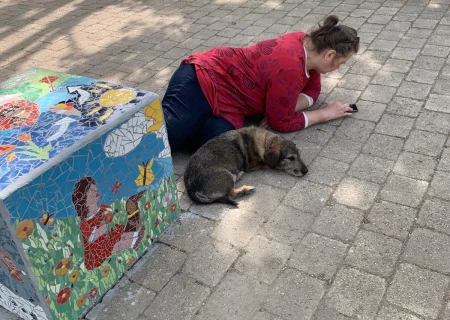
[213, 170]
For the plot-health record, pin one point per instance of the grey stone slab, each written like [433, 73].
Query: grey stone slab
[441, 87]
[397, 65]
[383, 45]
[236, 297]
[422, 75]
[354, 129]
[374, 56]
[379, 18]
[326, 171]
[444, 161]
[238, 227]
[306, 192]
[404, 190]
[158, 267]
[433, 121]
[383, 146]
[263, 259]
[308, 151]
[318, 256]
[405, 53]
[378, 93]
[341, 149]
[257, 202]
[354, 82]
[395, 125]
[210, 262]
[128, 301]
[412, 41]
[264, 315]
[429, 63]
[371, 168]
[418, 290]
[185, 295]
[342, 94]
[356, 294]
[356, 193]
[436, 51]
[416, 166]
[374, 253]
[317, 134]
[405, 107]
[294, 296]
[368, 110]
[434, 215]
[392, 313]
[390, 34]
[288, 225]
[440, 185]
[387, 78]
[391, 219]
[427, 143]
[365, 68]
[438, 102]
[188, 233]
[326, 313]
[338, 222]
[276, 178]
[414, 90]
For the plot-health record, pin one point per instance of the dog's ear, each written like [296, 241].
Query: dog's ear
[271, 157]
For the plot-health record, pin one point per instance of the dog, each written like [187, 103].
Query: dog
[215, 167]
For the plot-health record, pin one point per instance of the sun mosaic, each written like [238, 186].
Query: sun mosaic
[86, 185]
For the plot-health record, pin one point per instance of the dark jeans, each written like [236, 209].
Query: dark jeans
[187, 113]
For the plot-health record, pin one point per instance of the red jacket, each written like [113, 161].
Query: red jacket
[266, 78]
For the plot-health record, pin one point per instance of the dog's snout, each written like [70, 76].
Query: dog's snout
[304, 170]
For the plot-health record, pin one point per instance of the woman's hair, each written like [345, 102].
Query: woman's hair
[332, 35]
[79, 196]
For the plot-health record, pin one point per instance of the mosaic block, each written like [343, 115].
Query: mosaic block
[86, 185]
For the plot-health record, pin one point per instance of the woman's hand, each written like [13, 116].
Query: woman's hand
[264, 124]
[336, 110]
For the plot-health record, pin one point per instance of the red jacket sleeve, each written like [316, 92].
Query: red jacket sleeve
[313, 86]
[282, 92]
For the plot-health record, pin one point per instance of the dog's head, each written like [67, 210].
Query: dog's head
[284, 155]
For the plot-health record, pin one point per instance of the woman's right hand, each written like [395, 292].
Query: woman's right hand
[336, 110]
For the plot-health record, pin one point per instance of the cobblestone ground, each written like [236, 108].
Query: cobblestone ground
[365, 235]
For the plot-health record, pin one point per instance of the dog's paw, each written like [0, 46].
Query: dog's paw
[249, 190]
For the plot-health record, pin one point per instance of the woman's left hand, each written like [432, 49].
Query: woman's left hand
[264, 123]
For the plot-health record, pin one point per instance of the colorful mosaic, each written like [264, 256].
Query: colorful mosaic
[87, 183]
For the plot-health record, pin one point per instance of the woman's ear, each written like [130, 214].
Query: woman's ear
[329, 55]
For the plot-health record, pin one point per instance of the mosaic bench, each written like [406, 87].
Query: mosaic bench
[86, 184]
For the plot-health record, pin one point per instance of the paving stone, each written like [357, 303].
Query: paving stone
[397, 65]
[412, 42]
[307, 192]
[392, 313]
[414, 90]
[404, 190]
[159, 266]
[433, 121]
[325, 313]
[383, 45]
[318, 256]
[185, 295]
[434, 215]
[444, 162]
[319, 134]
[368, 110]
[441, 87]
[395, 125]
[264, 315]
[341, 94]
[438, 102]
[326, 171]
[418, 290]
[405, 106]
[429, 63]
[427, 143]
[377, 93]
[383, 146]
[391, 219]
[294, 296]
[365, 68]
[308, 151]
[341, 149]
[373, 56]
[437, 51]
[386, 78]
[371, 168]
[338, 222]
[355, 129]
[128, 301]
[374, 253]
[210, 262]
[422, 75]
[415, 166]
[356, 193]
[440, 185]
[188, 233]
[356, 294]
[263, 259]
[405, 53]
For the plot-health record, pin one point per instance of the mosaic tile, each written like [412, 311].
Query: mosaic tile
[86, 185]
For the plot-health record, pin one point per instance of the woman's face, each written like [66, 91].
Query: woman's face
[92, 197]
[330, 62]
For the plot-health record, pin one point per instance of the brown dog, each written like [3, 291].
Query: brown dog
[213, 170]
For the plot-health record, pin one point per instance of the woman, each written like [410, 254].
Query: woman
[212, 92]
[98, 243]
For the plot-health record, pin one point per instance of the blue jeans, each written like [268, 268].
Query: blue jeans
[188, 115]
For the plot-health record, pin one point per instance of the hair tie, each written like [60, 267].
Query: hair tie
[336, 25]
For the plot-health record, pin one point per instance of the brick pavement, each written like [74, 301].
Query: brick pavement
[365, 235]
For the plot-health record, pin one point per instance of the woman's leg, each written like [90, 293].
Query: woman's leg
[213, 127]
[185, 107]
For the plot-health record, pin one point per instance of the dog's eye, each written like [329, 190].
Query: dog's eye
[292, 158]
